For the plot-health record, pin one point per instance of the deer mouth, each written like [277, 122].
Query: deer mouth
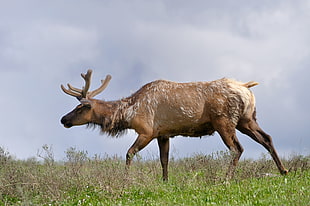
[67, 125]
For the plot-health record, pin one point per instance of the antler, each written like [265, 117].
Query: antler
[83, 93]
[104, 84]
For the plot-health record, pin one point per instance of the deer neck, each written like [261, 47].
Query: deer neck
[110, 117]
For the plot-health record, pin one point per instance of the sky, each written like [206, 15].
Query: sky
[44, 44]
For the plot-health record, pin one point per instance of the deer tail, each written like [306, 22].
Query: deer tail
[250, 84]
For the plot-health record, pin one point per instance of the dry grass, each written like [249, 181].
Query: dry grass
[104, 181]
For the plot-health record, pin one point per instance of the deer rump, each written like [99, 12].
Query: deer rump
[187, 109]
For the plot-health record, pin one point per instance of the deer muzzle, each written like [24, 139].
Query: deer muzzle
[65, 122]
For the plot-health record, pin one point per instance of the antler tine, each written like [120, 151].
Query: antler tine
[72, 93]
[104, 84]
[87, 78]
[74, 89]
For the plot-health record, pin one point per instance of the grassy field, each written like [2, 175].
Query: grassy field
[197, 180]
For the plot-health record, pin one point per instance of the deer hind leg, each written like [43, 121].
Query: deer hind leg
[252, 129]
[163, 143]
[228, 134]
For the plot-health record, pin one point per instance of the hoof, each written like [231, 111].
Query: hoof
[284, 172]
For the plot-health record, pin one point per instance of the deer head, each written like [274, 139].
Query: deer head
[82, 114]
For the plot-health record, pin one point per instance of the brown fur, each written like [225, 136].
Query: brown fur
[164, 109]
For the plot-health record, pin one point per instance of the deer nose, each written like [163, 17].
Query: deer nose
[65, 122]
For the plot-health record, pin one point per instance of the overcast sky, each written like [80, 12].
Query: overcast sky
[47, 43]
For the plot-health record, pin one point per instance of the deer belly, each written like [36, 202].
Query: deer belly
[181, 119]
[189, 130]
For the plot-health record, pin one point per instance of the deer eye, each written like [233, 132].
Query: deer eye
[79, 110]
[87, 105]
[83, 107]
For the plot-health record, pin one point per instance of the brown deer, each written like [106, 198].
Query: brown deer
[162, 109]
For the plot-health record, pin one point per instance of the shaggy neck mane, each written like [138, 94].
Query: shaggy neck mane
[112, 120]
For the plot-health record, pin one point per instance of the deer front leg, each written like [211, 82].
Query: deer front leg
[138, 145]
[163, 143]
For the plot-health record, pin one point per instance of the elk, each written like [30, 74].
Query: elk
[163, 109]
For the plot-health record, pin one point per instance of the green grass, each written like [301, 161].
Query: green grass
[197, 180]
